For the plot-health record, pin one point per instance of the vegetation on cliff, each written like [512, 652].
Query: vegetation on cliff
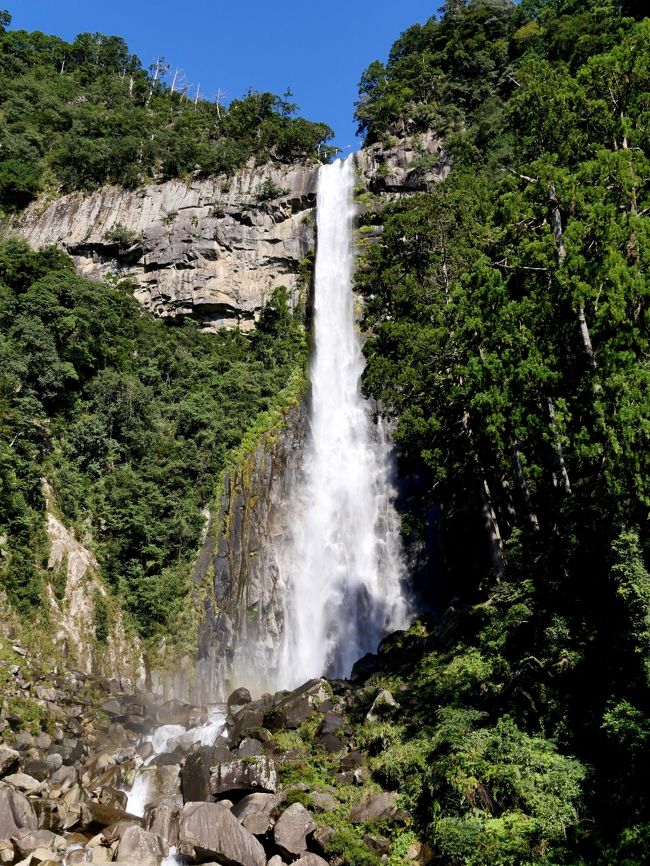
[130, 420]
[81, 114]
[508, 307]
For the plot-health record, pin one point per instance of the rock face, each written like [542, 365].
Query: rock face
[408, 164]
[237, 565]
[210, 830]
[213, 249]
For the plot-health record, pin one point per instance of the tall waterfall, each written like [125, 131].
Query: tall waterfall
[343, 567]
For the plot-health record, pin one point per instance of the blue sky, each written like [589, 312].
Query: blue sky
[319, 50]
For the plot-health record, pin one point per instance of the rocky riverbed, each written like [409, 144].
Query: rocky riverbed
[93, 774]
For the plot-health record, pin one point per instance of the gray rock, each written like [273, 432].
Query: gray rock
[22, 782]
[211, 830]
[257, 773]
[383, 706]
[322, 801]
[249, 747]
[299, 704]
[27, 843]
[8, 759]
[259, 823]
[310, 859]
[195, 775]
[239, 697]
[253, 803]
[162, 819]
[276, 860]
[17, 814]
[291, 830]
[139, 846]
[374, 807]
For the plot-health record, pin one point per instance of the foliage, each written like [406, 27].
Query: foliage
[507, 308]
[76, 115]
[130, 419]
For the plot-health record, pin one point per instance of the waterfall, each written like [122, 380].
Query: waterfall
[342, 567]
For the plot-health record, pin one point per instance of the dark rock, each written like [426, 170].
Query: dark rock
[114, 798]
[391, 642]
[353, 760]
[209, 830]
[365, 667]
[244, 775]
[322, 837]
[291, 831]
[239, 697]
[37, 768]
[96, 816]
[378, 844]
[322, 801]
[8, 760]
[331, 723]
[17, 814]
[331, 744]
[374, 807]
[249, 747]
[383, 706]
[195, 775]
[300, 703]
[247, 721]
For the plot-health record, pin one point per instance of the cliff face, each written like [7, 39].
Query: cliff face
[237, 572]
[212, 249]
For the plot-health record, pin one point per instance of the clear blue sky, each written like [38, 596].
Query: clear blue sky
[319, 50]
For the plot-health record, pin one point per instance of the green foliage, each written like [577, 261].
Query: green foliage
[131, 421]
[508, 315]
[76, 115]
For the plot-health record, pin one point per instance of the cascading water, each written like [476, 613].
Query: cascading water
[342, 567]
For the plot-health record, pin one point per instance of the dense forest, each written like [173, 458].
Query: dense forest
[508, 313]
[82, 114]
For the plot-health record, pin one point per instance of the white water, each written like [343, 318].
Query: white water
[343, 567]
[165, 739]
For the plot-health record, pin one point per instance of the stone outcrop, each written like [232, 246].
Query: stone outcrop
[405, 165]
[212, 249]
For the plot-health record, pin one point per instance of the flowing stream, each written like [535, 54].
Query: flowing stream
[343, 567]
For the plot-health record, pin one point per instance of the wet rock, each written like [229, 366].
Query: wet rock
[239, 697]
[291, 831]
[365, 667]
[374, 807]
[247, 721]
[174, 713]
[244, 775]
[195, 775]
[211, 830]
[17, 814]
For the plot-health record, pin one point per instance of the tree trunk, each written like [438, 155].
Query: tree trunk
[556, 224]
[586, 339]
[490, 521]
[558, 447]
[523, 486]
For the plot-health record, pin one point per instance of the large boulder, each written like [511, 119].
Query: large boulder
[291, 831]
[243, 776]
[375, 807]
[8, 760]
[17, 814]
[239, 697]
[162, 819]
[195, 776]
[28, 843]
[300, 703]
[139, 846]
[211, 831]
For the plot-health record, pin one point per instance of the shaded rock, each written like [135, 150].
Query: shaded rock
[22, 782]
[239, 697]
[378, 844]
[322, 837]
[17, 814]
[383, 706]
[331, 723]
[297, 705]
[365, 667]
[258, 823]
[331, 744]
[257, 773]
[374, 807]
[247, 721]
[114, 798]
[96, 816]
[8, 759]
[249, 747]
[140, 846]
[291, 830]
[419, 853]
[353, 760]
[195, 775]
[211, 830]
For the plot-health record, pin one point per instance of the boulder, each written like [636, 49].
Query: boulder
[162, 819]
[22, 782]
[309, 859]
[383, 706]
[249, 747]
[239, 697]
[322, 801]
[8, 759]
[195, 775]
[17, 814]
[374, 807]
[291, 831]
[28, 843]
[331, 723]
[208, 830]
[244, 775]
[300, 703]
[96, 816]
[365, 667]
[253, 803]
[139, 846]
